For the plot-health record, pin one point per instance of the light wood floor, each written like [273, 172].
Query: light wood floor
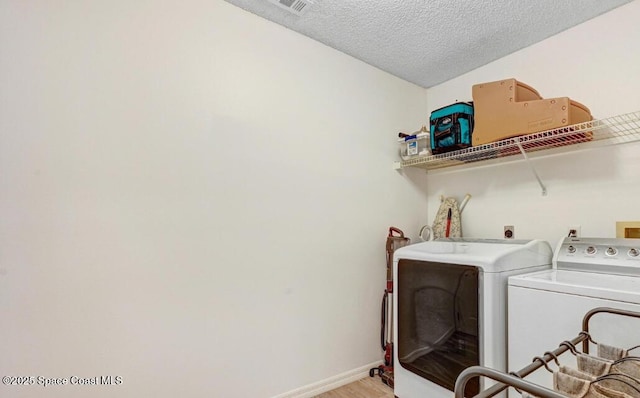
[369, 387]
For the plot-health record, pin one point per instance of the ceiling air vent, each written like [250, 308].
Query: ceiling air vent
[298, 7]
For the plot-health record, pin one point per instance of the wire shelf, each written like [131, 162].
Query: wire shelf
[613, 130]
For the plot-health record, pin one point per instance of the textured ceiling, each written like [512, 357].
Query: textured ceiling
[428, 42]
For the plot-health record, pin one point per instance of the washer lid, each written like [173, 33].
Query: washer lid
[588, 284]
[492, 255]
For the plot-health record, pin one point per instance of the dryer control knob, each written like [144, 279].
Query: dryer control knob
[612, 251]
[634, 252]
[591, 250]
[571, 249]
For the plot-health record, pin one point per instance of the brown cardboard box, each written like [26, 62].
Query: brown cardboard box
[509, 108]
[551, 113]
[501, 91]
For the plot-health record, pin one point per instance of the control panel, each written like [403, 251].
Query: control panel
[618, 256]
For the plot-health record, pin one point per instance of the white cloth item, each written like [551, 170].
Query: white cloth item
[597, 366]
[628, 368]
[575, 387]
[610, 352]
[593, 365]
[628, 386]
[440, 222]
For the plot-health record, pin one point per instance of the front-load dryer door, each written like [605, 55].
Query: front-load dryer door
[438, 321]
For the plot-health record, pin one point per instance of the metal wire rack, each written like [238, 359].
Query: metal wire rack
[613, 130]
[516, 379]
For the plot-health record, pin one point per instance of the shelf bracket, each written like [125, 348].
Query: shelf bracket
[533, 170]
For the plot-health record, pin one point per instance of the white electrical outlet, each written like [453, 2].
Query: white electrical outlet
[573, 231]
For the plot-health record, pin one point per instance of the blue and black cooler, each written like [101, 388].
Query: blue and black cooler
[451, 127]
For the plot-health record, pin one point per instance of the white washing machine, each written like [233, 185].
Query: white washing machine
[547, 307]
[450, 312]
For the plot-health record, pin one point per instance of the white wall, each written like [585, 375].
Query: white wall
[192, 198]
[594, 63]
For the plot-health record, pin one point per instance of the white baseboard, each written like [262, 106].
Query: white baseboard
[330, 383]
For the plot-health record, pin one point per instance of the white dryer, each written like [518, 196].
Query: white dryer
[546, 308]
[450, 311]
